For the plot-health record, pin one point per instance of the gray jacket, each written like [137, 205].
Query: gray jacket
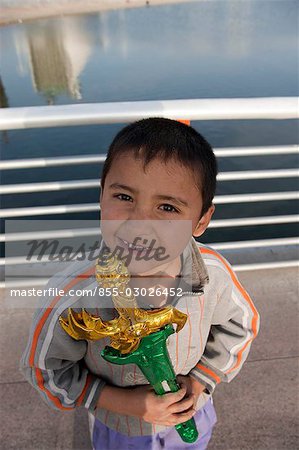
[212, 346]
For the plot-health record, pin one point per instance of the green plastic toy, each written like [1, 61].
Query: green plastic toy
[153, 360]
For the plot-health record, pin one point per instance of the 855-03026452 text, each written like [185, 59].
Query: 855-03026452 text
[155, 291]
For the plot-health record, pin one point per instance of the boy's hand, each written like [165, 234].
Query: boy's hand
[193, 387]
[169, 409]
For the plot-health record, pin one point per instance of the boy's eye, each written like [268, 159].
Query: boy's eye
[124, 197]
[168, 208]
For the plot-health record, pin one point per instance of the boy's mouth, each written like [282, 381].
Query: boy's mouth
[134, 247]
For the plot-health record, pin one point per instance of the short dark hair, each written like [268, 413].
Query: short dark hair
[168, 139]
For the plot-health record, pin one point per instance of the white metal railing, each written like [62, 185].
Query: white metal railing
[122, 112]
[282, 242]
[257, 174]
[225, 152]
[248, 221]
[256, 197]
[260, 243]
[42, 210]
[89, 207]
[21, 188]
[65, 185]
[29, 283]
[207, 109]
[94, 231]
[266, 265]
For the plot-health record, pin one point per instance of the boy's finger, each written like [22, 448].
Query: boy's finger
[183, 405]
[174, 397]
[183, 384]
[183, 417]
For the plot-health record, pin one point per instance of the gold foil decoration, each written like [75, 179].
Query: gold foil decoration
[133, 323]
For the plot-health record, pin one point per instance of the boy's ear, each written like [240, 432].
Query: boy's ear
[204, 222]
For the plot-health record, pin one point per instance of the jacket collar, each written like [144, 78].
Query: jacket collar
[194, 274]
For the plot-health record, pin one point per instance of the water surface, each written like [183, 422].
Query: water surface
[193, 50]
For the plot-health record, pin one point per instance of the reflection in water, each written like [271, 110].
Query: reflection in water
[19, 39]
[3, 104]
[3, 96]
[114, 33]
[59, 51]
[204, 49]
[104, 31]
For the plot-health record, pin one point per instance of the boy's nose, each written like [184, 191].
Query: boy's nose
[140, 213]
[139, 229]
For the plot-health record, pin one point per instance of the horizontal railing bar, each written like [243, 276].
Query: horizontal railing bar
[22, 188]
[123, 112]
[85, 207]
[238, 268]
[266, 265]
[277, 242]
[249, 221]
[42, 210]
[226, 152]
[31, 282]
[49, 234]
[83, 184]
[17, 260]
[258, 197]
[95, 231]
[32, 163]
[257, 174]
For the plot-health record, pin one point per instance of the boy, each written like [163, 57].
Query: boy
[159, 175]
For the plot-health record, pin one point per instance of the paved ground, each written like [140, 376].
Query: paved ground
[257, 411]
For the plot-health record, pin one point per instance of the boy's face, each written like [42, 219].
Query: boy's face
[160, 203]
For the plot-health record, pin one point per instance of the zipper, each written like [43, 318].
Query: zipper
[184, 294]
[192, 293]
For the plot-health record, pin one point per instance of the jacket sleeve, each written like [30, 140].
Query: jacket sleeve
[234, 325]
[53, 363]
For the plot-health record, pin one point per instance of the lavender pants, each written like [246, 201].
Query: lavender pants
[103, 438]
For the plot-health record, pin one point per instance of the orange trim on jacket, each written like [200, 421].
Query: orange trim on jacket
[208, 372]
[247, 298]
[39, 327]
